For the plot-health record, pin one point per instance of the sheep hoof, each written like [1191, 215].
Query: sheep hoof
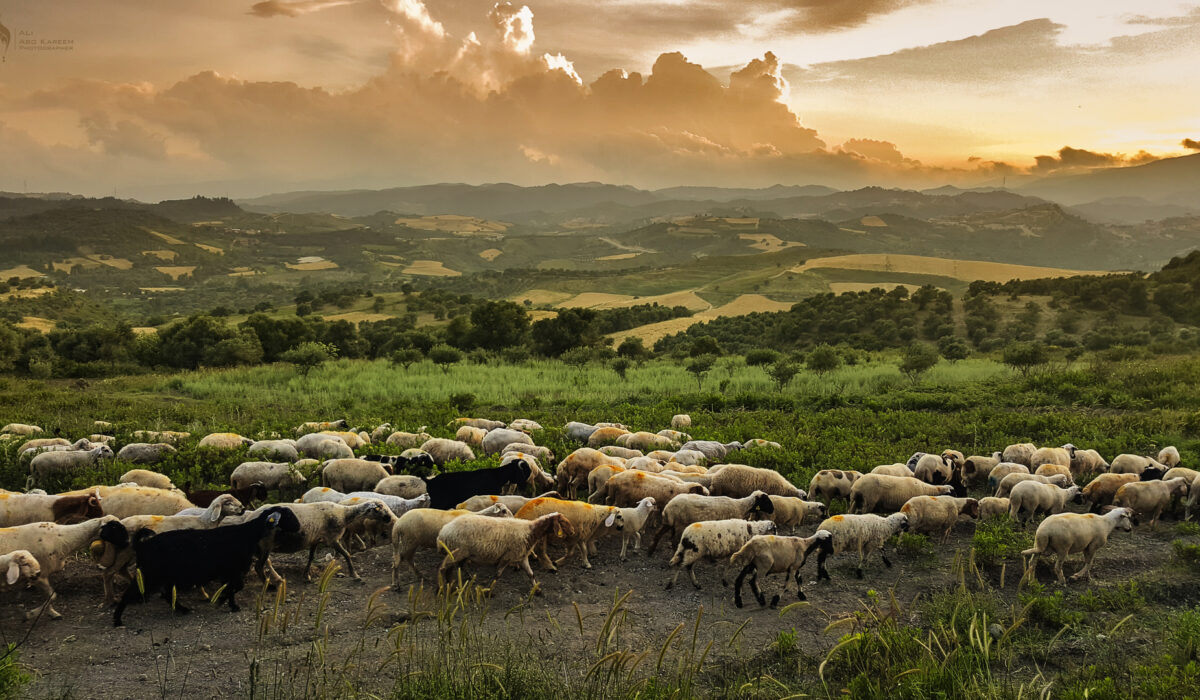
[800, 595]
[775, 601]
[737, 602]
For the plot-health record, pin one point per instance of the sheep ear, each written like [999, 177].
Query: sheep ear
[14, 573]
[612, 518]
[215, 515]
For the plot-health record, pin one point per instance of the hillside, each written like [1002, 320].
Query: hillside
[1170, 180]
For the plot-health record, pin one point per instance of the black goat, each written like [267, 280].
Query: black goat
[180, 559]
[246, 495]
[451, 488]
[418, 465]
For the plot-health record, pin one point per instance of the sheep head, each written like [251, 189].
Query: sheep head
[114, 533]
[898, 521]
[1124, 517]
[1153, 472]
[970, 508]
[1075, 494]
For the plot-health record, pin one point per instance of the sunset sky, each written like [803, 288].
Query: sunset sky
[154, 98]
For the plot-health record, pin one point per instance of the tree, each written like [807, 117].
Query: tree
[443, 356]
[377, 305]
[698, 367]
[705, 345]
[823, 359]
[498, 324]
[621, 366]
[307, 356]
[782, 372]
[953, 348]
[406, 357]
[761, 356]
[917, 359]
[576, 357]
[571, 328]
[1024, 356]
[632, 349]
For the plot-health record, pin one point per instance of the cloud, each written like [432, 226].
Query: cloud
[1069, 158]
[1190, 144]
[294, 8]
[883, 151]
[832, 15]
[123, 137]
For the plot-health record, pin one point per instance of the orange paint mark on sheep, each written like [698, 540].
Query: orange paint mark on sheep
[695, 525]
[494, 498]
[156, 518]
[840, 518]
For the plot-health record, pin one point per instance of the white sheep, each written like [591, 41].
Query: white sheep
[572, 472]
[21, 429]
[484, 423]
[402, 485]
[310, 445]
[145, 452]
[353, 440]
[49, 464]
[272, 475]
[1136, 464]
[976, 468]
[323, 524]
[991, 506]
[130, 499]
[588, 524]
[173, 437]
[633, 521]
[1020, 453]
[629, 487]
[1070, 533]
[1087, 461]
[864, 534]
[21, 566]
[1052, 455]
[513, 502]
[321, 494]
[771, 554]
[680, 421]
[739, 480]
[498, 542]
[145, 477]
[418, 529]
[1008, 482]
[934, 514]
[406, 440]
[224, 441]
[1056, 470]
[25, 508]
[1029, 498]
[687, 508]
[53, 546]
[1101, 490]
[791, 512]
[644, 441]
[626, 453]
[525, 425]
[607, 435]
[443, 451]
[674, 435]
[470, 436]
[1169, 456]
[829, 484]
[1151, 497]
[541, 452]
[579, 432]
[880, 492]
[351, 474]
[1002, 470]
[539, 480]
[897, 469]
[933, 469]
[381, 432]
[313, 426]
[282, 450]
[714, 541]
[497, 440]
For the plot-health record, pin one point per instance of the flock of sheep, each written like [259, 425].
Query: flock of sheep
[145, 529]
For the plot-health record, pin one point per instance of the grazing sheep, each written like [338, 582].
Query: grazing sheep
[1020, 453]
[645, 441]
[606, 436]
[954, 458]
[760, 442]
[934, 514]
[131, 499]
[579, 432]
[351, 474]
[712, 450]
[829, 484]
[250, 494]
[791, 512]
[1030, 498]
[224, 441]
[172, 437]
[497, 440]
[499, 542]
[282, 450]
[381, 432]
[933, 469]
[480, 423]
[419, 529]
[645, 464]
[588, 524]
[313, 445]
[573, 471]
[880, 492]
[36, 443]
[629, 487]
[402, 485]
[1193, 499]
[633, 521]
[525, 425]
[1189, 474]
[1071, 533]
[145, 452]
[770, 554]
[1007, 483]
[1002, 470]
[450, 488]
[513, 503]
[739, 480]
[181, 559]
[321, 494]
[976, 468]
[53, 545]
[685, 509]
[353, 440]
[147, 478]
[622, 452]
[22, 567]
[470, 436]
[20, 429]
[1135, 464]
[272, 475]
[864, 534]
[1151, 497]
[28, 452]
[398, 506]
[897, 469]
[316, 426]
[991, 506]
[545, 454]
[1056, 470]
[25, 508]
[674, 435]
[714, 541]
[1087, 462]
[322, 524]
[539, 480]
[1169, 456]
[49, 464]
[680, 421]
[406, 440]
[1052, 455]
[443, 451]
[691, 458]
[1101, 490]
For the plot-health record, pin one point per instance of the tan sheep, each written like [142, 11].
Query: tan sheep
[606, 436]
[1072, 533]
[573, 471]
[933, 469]
[1088, 462]
[498, 542]
[740, 480]
[224, 441]
[829, 484]
[496, 440]
[1020, 453]
[1056, 470]
[1029, 498]
[471, 436]
[1169, 456]
[348, 475]
[444, 451]
[680, 421]
[626, 453]
[1101, 490]
[418, 529]
[483, 423]
[1007, 483]
[22, 567]
[791, 512]
[976, 468]
[1002, 470]
[1052, 455]
[991, 506]
[714, 541]
[407, 440]
[145, 477]
[675, 435]
[645, 441]
[588, 523]
[629, 487]
[934, 514]
[883, 493]
[897, 469]
[1151, 497]
[1136, 464]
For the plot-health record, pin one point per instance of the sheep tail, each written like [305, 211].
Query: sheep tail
[742, 557]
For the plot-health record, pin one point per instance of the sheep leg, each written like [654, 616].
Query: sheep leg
[42, 583]
[449, 564]
[758, 594]
[859, 571]
[624, 546]
[799, 590]
[341, 549]
[883, 556]
[312, 552]
[658, 536]
[179, 608]
[529, 572]
[822, 572]
[1086, 571]
[544, 557]
[737, 584]
[1059, 557]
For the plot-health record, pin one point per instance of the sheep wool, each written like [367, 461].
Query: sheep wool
[498, 542]
[770, 554]
[714, 541]
[938, 514]
[1151, 497]
[864, 534]
[419, 529]
[1071, 533]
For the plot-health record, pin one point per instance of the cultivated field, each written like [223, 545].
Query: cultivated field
[967, 270]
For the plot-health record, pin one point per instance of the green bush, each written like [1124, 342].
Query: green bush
[996, 540]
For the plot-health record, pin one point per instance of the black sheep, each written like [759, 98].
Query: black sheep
[181, 559]
[451, 488]
[245, 495]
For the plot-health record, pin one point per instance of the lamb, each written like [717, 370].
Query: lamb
[1101, 490]
[398, 506]
[606, 436]
[897, 469]
[629, 487]
[645, 441]
[685, 509]
[633, 521]
[739, 480]
[500, 542]
[21, 566]
[1169, 456]
[1135, 464]
[1056, 470]
[1008, 482]
[181, 559]
[1020, 453]
[880, 492]
[976, 468]
[933, 514]
[714, 541]
[1087, 462]
[418, 529]
[579, 432]
[760, 442]
[145, 452]
[29, 451]
[22, 509]
[1031, 498]
[1002, 470]
[450, 488]
[169, 436]
[249, 494]
[50, 464]
[588, 524]
[513, 503]
[54, 545]
[525, 425]
[282, 450]
[272, 475]
[829, 484]
[689, 457]
[443, 451]
[352, 474]
[933, 469]
[497, 440]
[316, 426]
[147, 478]
[769, 554]
[1070, 533]
[470, 436]
[623, 452]
[680, 421]
[224, 441]
[1052, 455]
[406, 440]
[864, 533]
[792, 512]
[36, 443]
[402, 485]
[991, 506]
[480, 423]
[20, 429]
[322, 524]
[1151, 497]
[574, 469]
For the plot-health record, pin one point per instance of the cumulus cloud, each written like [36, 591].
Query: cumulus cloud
[123, 137]
[1190, 144]
[884, 151]
[1069, 158]
[294, 8]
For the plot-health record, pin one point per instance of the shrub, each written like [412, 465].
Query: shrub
[995, 540]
